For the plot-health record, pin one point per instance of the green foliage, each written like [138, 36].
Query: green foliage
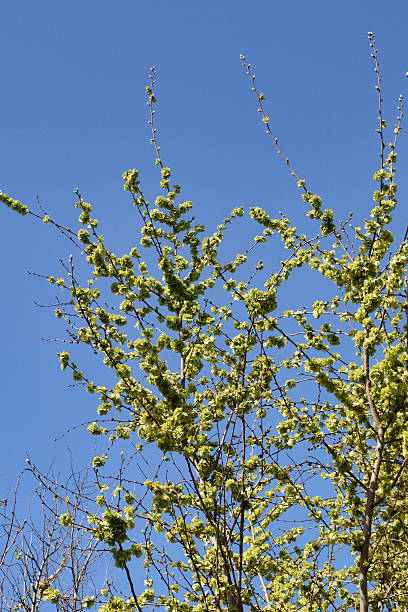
[51, 595]
[275, 457]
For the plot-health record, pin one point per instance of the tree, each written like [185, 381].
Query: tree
[49, 552]
[264, 450]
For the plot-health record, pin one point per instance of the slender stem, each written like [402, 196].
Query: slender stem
[370, 502]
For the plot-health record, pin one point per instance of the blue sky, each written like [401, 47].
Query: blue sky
[74, 114]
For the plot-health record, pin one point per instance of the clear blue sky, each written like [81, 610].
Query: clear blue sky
[73, 114]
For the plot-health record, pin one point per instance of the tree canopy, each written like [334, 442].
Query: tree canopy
[250, 456]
